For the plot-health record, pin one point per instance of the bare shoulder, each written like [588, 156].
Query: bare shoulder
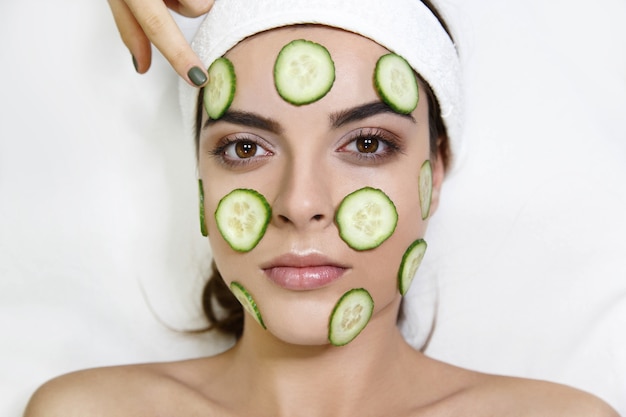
[470, 393]
[138, 390]
[526, 398]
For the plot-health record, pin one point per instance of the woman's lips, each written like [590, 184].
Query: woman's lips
[303, 273]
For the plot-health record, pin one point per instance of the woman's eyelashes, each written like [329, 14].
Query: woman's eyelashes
[371, 145]
[239, 151]
[362, 146]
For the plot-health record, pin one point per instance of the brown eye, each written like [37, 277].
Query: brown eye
[367, 144]
[245, 149]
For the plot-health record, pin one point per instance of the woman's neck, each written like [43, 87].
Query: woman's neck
[286, 379]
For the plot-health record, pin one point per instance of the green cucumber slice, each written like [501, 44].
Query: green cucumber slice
[425, 188]
[203, 228]
[396, 83]
[350, 315]
[220, 91]
[242, 217]
[303, 72]
[366, 218]
[246, 300]
[411, 261]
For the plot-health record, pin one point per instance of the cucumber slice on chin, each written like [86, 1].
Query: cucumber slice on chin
[303, 72]
[220, 91]
[350, 316]
[425, 188]
[246, 300]
[396, 83]
[366, 218]
[411, 261]
[242, 217]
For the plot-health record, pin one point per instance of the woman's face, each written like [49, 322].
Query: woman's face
[305, 160]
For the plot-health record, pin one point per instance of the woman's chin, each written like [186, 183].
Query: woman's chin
[304, 339]
[298, 328]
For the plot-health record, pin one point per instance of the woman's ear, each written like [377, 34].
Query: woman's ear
[439, 173]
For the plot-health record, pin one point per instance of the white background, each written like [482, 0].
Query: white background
[98, 205]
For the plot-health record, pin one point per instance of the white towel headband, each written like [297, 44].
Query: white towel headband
[406, 27]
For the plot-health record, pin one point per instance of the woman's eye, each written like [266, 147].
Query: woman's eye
[367, 144]
[245, 149]
[371, 146]
[242, 149]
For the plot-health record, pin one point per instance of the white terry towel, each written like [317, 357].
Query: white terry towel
[405, 27]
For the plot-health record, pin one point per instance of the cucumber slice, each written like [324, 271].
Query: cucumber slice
[246, 300]
[219, 93]
[203, 228]
[366, 218]
[242, 217]
[350, 315]
[425, 188]
[411, 261]
[303, 72]
[396, 83]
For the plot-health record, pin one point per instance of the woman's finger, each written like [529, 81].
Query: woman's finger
[190, 8]
[132, 35]
[159, 27]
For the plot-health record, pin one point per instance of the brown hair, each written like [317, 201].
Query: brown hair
[220, 306]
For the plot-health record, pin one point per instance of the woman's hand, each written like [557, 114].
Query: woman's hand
[142, 22]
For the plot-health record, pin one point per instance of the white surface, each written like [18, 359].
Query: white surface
[97, 198]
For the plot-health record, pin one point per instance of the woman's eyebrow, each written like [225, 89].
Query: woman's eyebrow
[338, 119]
[363, 112]
[244, 118]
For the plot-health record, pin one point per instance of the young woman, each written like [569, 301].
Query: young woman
[315, 203]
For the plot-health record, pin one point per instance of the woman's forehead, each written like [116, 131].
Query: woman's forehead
[334, 39]
[354, 58]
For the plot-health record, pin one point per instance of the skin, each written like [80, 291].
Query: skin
[290, 369]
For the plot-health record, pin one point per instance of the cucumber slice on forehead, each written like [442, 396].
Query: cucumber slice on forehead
[396, 83]
[303, 72]
[350, 315]
[220, 91]
[246, 300]
[366, 218]
[242, 217]
[411, 261]
[425, 188]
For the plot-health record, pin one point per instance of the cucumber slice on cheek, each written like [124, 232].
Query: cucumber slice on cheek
[246, 300]
[366, 218]
[350, 315]
[219, 93]
[411, 262]
[425, 188]
[396, 83]
[303, 72]
[242, 217]
[203, 228]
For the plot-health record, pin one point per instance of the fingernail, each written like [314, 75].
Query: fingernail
[135, 63]
[197, 76]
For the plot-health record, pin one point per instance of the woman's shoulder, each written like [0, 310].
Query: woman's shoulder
[500, 395]
[470, 393]
[138, 390]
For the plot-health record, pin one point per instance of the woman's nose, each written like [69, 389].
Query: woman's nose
[304, 199]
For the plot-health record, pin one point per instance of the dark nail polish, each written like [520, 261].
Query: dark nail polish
[135, 63]
[197, 76]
